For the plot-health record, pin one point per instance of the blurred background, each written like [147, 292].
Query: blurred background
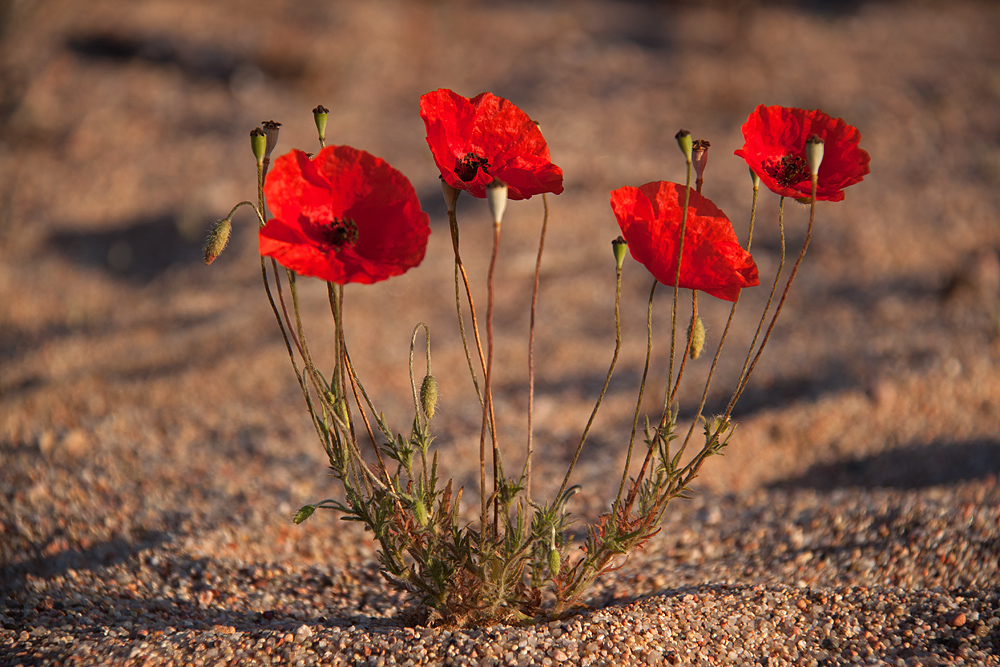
[130, 371]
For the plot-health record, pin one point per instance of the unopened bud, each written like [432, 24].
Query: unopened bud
[496, 195]
[304, 513]
[420, 510]
[555, 562]
[684, 141]
[450, 195]
[319, 115]
[429, 396]
[218, 237]
[696, 335]
[271, 132]
[258, 144]
[814, 153]
[618, 247]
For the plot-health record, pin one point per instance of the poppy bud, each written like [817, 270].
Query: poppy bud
[304, 513]
[421, 512]
[271, 132]
[429, 396]
[696, 334]
[814, 153]
[319, 115]
[496, 195]
[618, 247]
[700, 157]
[258, 142]
[555, 561]
[218, 237]
[450, 195]
[684, 141]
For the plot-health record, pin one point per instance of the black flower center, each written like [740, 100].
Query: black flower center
[469, 166]
[789, 170]
[340, 233]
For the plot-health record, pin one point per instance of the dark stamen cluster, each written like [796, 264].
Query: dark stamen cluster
[789, 170]
[469, 166]
[341, 233]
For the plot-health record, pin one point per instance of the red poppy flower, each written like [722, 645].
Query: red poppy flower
[485, 138]
[345, 216]
[713, 261]
[775, 148]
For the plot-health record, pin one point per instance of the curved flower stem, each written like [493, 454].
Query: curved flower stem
[531, 353]
[638, 402]
[687, 350]
[607, 381]
[489, 418]
[725, 334]
[781, 302]
[460, 269]
[673, 308]
[346, 370]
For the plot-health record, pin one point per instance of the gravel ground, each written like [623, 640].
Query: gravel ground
[152, 443]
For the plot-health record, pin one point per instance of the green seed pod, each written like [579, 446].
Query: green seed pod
[429, 396]
[555, 561]
[814, 153]
[696, 334]
[685, 142]
[304, 513]
[258, 144]
[218, 237]
[320, 114]
[619, 246]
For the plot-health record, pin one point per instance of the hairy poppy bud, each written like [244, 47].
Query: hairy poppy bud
[684, 141]
[496, 195]
[814, 153]
[696, 334]
[429, 396]
[618, 247]
[258, 144]
[555, 561]
[421, 512]
[450, 195]
[218, 237]
[304, 513]
[319, 115]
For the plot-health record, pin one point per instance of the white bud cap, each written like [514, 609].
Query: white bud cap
[496, 195]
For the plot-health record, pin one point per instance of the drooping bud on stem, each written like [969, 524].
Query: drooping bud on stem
[496, 195]
[218, 237]
[304, 513]
[450, 195]
[320, 114]
[684, 141]
[429, 396]
[618, 247]
[258, 144]
[814, 153]
[696, 334]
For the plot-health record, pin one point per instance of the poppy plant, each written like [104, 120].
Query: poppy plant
[713, 261]
[475, 141]
[344, 216]
[775, 148]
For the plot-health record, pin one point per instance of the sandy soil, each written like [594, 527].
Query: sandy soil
[146, 403]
